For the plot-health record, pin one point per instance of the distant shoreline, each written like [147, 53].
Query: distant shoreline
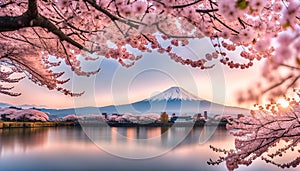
[7, 124]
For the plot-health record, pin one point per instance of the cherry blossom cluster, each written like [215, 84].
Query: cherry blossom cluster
[277, 82]
[6, 76]
[23, 115]
[141, 119]
[267, 134]
[87, 117]
[125, 30]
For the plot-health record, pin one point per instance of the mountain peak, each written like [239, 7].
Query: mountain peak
[174, 93]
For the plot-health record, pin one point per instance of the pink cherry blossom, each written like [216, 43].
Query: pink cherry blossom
[139, 7]
[258, 134]
[22, 115]
[266, 30]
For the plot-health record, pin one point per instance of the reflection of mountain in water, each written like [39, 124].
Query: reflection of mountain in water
[56, 146]
[165, 136]
[26, 139]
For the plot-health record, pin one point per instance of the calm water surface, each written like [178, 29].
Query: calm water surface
[106, 148]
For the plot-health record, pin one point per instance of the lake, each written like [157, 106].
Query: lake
[106, 148]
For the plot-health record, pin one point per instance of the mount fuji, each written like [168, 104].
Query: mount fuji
[174, 93]
[173, 100]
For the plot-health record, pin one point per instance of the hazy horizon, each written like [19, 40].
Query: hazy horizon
[139, 100]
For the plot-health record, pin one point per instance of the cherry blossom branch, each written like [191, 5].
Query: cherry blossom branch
[231, 26]
[21, 40]
[185, 5]
[31, 19]
[221, 22]
[6, 4]
[112, 17]
[277, 84]
[260, 132]
[171, 36]
[71, 25]
[290, 67]
[45, 23]
[32, 9]
[206, 10]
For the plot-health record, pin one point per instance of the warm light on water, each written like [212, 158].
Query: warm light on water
[70, 149]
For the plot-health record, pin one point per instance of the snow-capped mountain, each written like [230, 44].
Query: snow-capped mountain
[173, 100]
[174, 93]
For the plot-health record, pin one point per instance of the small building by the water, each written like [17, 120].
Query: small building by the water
[181, 119]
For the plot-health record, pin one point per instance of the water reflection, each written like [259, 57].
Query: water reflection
[71, 149]
[146, 142]
[155, 139]
[22, 139]
[167, 134]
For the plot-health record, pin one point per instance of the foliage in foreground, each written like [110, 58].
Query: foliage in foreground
[270, 134]
[33, 30]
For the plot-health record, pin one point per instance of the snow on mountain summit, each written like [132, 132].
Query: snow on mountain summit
[174, 93]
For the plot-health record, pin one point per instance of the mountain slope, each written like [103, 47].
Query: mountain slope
[174, 93]
[173, 100]
[4, 105]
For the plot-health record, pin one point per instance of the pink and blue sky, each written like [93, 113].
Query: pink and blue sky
[152, 74]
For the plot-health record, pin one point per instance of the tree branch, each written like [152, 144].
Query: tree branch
[32, 9]
[45, 23]
[185, 5]
[107, 13]
[289, 66]
[206, 10]
[12, 23]
[6, 4]
[221, 22]
[277, 84]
